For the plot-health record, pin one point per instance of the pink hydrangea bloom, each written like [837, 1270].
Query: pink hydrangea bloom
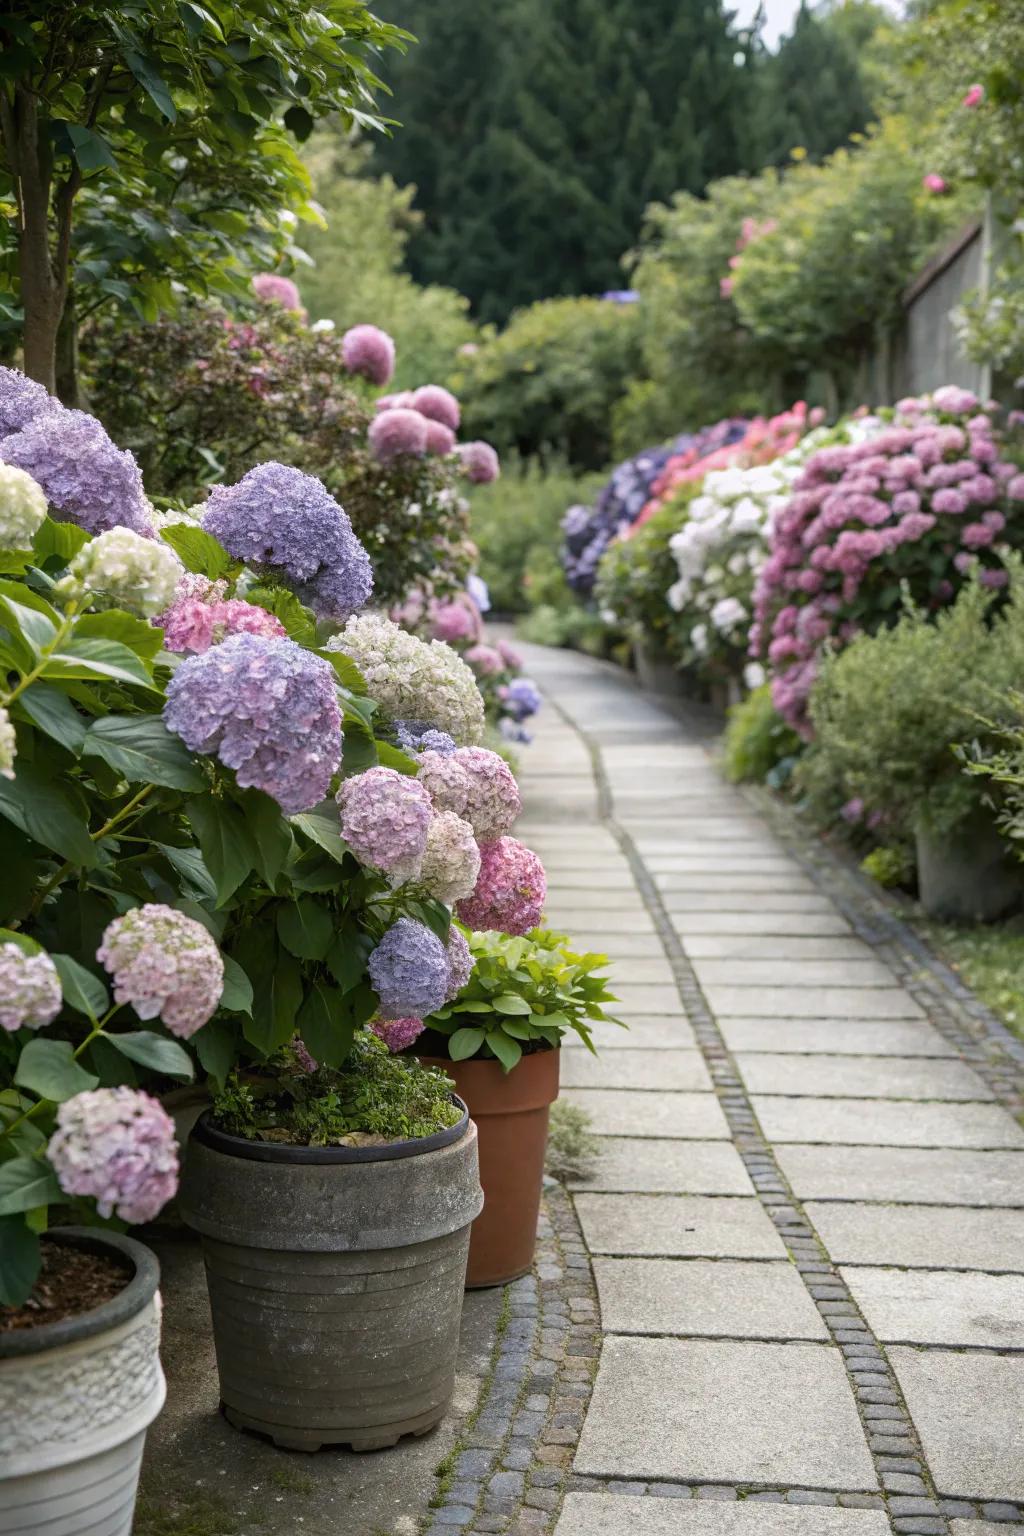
[440, 439]
[397, 432]
[456, 620]
[480, 463]
[477, 785]
[974, 96]
[510, 890]
[117, 1146]
[510, 656]
[272, 288]
[933, 183]
[397, 1034]
[166, 965]
[30, 994]
[439, 404]
[201, 616]
[977, 536]
[451, 860]
[369, 351]
[385, 816]
[1015, 488]
[485, 660]
[402, 400]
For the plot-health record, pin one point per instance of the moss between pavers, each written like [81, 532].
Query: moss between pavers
[202, 1517]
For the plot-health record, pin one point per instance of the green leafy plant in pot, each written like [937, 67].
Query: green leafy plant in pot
[500, 1041]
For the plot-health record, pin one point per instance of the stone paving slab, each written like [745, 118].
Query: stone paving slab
[906, 1174]
[744, 883]
[696, 1298]
[636, 970]
[644, 998]
[678, 1226]
[756, 946]
[783, 973]
[878, 1122]
[680, 1070]
[916, 1306]
[614, 899]
[611, 1514]
[573, 919]
[814, 1002]
[669, 1167]
[968, 1409]
[643, 1033]
[971, 1528]
[892, 1077]
[836, 1037]
[620, 1112]
[820, 920]
[625, 946]
[921, 1236]
[718, 1411]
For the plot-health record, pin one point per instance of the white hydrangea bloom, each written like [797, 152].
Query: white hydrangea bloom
[412, 679]
[126, 570]
[22, 507]
[8, 745]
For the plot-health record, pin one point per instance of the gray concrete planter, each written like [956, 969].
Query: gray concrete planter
[336, 1278]
[76, 1399]
[969, 874]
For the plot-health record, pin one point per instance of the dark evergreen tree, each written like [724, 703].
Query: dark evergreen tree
[811, 93]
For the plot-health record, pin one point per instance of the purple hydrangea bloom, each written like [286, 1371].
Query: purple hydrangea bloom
[479, 591]
[521, 698]
[480, 462]
[117, 1146]
[440, 439]
[409, 971]
[272, 288]
[87, 479]
[438, 403]
[268, 709]
[460, 962]
[281, 519]
[417, 736]
[396, 432]
[385, 818]
[367, 350]
[21, 401]
[397, 1034]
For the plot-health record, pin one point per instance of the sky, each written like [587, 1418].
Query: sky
[778, 15]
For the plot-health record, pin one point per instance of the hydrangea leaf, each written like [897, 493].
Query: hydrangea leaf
[82, 990]
[216, 1045]
[138, 635]
[305, 929]
[199, 552]
[322, 830]
[227, 845]
[84, 657]
[271, 834]
[48, 1069]
[20, 1259]
[156, 1052]
[58, 540]
[326, 1026]
[142, 749]
[53, 712]
[45, 813]
[25, 1183]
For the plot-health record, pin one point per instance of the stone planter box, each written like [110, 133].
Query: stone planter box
[969, 875]
[76, 1399]
[336, 1277]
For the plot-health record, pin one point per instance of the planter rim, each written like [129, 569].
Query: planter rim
[136, 1295]
[277, 1152]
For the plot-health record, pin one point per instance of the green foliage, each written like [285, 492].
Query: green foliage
[890, 709]
[524, 993]
[759, 747]
[548, 383]
[172, 128]
[812, 95]
[359, 270]
[375, 1098]
[634, 575]
[990, 960]
[516, 525]
[199, 397]
[889, 867]
[572, 1148]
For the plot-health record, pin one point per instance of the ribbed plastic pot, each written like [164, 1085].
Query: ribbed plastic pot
[511, 1112]
[967, 875]
[335, 1277]
[76, 1399]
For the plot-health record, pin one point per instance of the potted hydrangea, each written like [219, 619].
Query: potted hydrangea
[499, 1039]
[217, 818]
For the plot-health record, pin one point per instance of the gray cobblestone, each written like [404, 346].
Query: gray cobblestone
[809, 1496]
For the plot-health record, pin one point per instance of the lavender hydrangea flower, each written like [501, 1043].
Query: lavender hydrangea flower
[86, 478]
[396, 432]
[286, 522]
[268, 709]
[30, 994]
[480, 462]
[272, 288]
[21, 401]
[117, 1146]
[409, 971]
[128, 571]
[385, 817]
[476, 784]
[165, 965]
[397, 1034]
[451, 858]
[440, 439]
[485, 660]
[22, 508]
[9, 745]
[368, 350]
[415, 736]
[460, 962]
[479, 591]
[521, 698]
[439, 404]
[412, 679]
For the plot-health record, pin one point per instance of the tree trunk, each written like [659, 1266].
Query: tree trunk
[43, 273]
[68, 388]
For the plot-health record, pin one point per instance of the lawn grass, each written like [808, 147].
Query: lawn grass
[989, 959]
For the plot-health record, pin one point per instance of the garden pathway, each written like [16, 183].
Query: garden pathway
[807, 1221]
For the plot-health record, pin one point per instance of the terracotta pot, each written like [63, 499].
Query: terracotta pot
[511, 1114]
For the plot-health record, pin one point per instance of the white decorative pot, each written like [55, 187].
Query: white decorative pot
[76, 1399]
